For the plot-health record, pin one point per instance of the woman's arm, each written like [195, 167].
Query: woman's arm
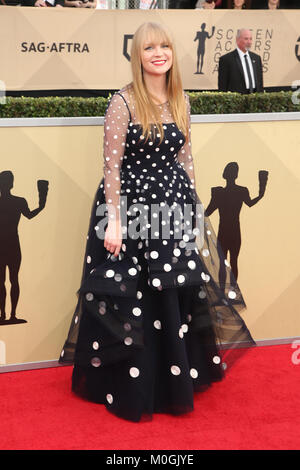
[185, 157]
[115, 132]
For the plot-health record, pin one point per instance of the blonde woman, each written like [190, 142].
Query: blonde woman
[150, 308]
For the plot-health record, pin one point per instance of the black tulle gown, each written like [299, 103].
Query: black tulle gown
[151, 325]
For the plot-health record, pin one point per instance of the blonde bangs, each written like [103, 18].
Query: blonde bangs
[147, 112]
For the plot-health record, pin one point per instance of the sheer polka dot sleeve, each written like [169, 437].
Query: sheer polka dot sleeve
[115, 132]
[185, 157]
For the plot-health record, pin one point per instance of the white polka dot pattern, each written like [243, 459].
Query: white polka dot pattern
[109, 398]
[175, 370]
[134, 372]
[117, 120]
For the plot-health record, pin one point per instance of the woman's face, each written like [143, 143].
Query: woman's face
[156, 57]
[239, 3]
[274, 2]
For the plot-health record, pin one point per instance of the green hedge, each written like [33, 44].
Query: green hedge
[229, 103]
[201, 103]
[52, 107]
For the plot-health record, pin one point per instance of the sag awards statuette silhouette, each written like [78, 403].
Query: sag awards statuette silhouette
[11, 209]
[201, 37]
[229, 200]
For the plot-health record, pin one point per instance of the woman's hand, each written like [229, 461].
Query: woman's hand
[113, 237]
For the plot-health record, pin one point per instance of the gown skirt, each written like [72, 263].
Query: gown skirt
[154, 324]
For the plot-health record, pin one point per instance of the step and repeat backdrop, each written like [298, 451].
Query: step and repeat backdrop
[49, 176]
[48, 49]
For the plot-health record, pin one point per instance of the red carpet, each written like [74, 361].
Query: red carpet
[257, 406]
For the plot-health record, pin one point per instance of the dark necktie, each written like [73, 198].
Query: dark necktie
[249, 74]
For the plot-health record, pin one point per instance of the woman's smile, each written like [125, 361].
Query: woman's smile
[159, 62]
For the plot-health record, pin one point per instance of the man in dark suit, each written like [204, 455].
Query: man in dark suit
[241, 70]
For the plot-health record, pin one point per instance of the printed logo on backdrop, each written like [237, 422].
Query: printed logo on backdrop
[126, 39]
[228, 201]
[226, 42]
[223, 41]
[11, 209]
[202, 36]
[43, 47]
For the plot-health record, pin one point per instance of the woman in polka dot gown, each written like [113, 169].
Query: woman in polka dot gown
[151, 316]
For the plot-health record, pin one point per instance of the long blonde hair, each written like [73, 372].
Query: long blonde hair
[146, 110]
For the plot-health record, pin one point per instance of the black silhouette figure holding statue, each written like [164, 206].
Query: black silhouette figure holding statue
[11, 209]
[202, 36]
[229, 200]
